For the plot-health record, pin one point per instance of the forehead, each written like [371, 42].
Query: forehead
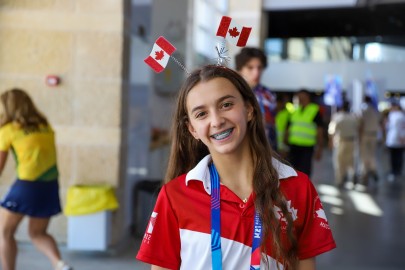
[210, 91]
[255, 61]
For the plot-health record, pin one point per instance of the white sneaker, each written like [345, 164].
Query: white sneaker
[61, 265]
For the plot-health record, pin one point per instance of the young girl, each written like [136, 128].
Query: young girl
[230, 205]
[26, 132]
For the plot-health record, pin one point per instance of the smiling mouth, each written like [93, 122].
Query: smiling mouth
[223, 135]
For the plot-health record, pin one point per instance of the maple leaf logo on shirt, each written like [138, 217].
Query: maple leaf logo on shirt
[321, 214]
[279, 214]
[159, 55]
[234, 32]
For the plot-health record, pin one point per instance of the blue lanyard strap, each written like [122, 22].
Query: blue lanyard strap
[216, 227]
[215, 219]
[257, 237]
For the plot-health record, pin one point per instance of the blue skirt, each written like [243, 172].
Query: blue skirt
[33, 198]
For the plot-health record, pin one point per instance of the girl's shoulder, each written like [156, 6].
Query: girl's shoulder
[176, 183]
[297, 186]
[11, 127]
[182, 189]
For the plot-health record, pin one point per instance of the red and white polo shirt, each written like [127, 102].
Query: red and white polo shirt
[178, 235]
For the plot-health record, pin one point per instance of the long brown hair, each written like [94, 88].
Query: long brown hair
[186, 152]
[18, 107]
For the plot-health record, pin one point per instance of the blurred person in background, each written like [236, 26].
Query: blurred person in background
[370, 122]
[343, 130]
[304, 134]
[395, 140]
[35, 193]
[250, 64]
[282, 118]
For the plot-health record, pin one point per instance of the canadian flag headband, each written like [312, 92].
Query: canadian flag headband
[160, 54]
[163, 50]
[232, 32]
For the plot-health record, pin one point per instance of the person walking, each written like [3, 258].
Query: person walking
[370, 123]
[305, 133]
[395, 140]
[343, 130]
[226, 202]
[26, 132]
[250, 63]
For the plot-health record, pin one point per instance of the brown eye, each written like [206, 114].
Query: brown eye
[200, 115]
[227, 104]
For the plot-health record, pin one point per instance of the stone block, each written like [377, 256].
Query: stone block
[61, 21]
[99, 55]
[63, 5]
[98, 104]
[100, 6]
[97, 165]
[65, 163]
[82, 135]
[28, 4]
[35, 52]
[55, 102]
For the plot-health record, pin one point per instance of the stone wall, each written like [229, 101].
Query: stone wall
[83, 42]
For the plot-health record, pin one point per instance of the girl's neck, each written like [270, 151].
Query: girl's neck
[236, 172]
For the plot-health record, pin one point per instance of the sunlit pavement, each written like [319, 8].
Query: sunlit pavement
[367, 222]
[368, 226]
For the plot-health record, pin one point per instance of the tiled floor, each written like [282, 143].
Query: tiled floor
[368, 228]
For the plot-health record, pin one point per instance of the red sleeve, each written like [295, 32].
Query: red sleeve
[161, 243]
[314, 235]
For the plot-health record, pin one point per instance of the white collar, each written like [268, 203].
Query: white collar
[201, 172]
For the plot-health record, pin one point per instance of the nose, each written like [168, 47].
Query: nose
[217, 120]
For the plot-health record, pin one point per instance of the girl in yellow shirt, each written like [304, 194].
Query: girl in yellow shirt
[26, 133]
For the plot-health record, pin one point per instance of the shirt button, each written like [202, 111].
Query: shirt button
[242, 205]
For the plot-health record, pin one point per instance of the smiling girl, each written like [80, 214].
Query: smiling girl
[227, 202]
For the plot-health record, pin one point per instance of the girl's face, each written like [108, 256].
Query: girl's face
[218, 115]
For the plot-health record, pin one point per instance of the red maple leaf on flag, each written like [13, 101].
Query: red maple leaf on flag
[159, 55]
[234, 32]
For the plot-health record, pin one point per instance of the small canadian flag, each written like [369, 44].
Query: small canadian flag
[232, 32]
[152, 222]
[159, 57]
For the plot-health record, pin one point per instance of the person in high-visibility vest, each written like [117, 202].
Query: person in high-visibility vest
[282, 118]
[305, 133]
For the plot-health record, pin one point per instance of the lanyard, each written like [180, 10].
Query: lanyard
[216, 227]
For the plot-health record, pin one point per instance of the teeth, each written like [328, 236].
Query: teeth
[222, 135]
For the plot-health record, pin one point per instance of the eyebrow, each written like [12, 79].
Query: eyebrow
[219, 100]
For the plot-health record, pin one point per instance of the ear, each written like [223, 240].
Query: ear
[192, 130]
[250, 112]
